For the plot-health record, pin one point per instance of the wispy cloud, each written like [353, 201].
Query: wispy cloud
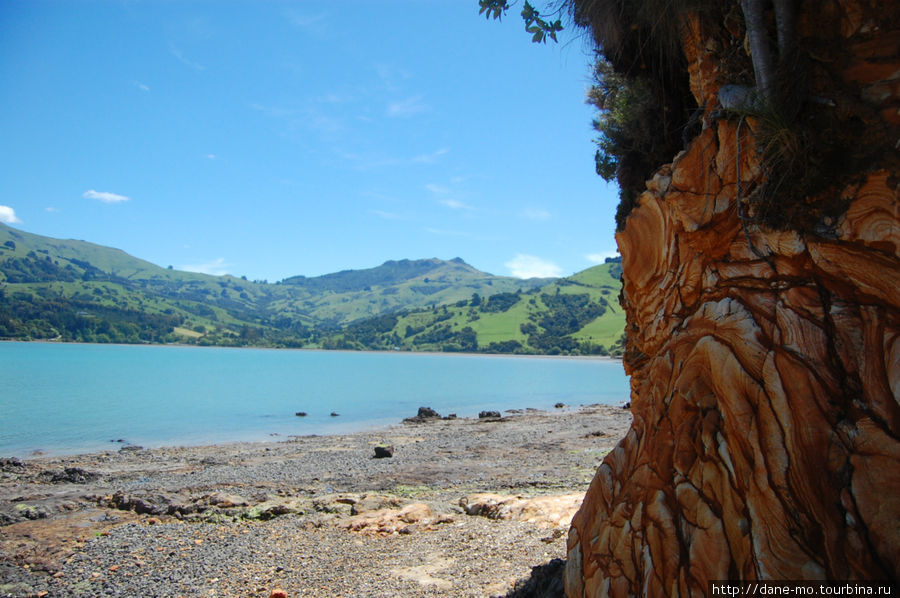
[529, 266]
[373, 161]
[177, 53]
[390, 76]
[599, 258]
[438, 189]
[455, 204]
[303, 20]
[388, 215]
[312, 116]
[51, 209]
[105, 196]
[211, 156]
[406, 108]
[216, 267]
[8, 215]
[430, 158]
[535, 214]
[273, 111]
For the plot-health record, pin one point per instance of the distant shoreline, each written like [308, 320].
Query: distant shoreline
[316, 349]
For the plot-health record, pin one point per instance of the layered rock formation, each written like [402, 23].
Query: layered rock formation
[765, 364]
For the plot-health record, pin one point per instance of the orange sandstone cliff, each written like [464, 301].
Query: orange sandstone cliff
[764, 360]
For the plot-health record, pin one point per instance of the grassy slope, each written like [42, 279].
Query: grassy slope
[422, 329]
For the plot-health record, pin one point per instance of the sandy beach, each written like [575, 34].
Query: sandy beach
[463, 507]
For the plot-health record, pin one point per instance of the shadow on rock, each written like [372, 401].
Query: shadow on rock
[545, 581]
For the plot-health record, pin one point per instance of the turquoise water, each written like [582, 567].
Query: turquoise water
[69, 398]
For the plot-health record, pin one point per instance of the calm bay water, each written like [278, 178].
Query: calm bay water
[70, 398]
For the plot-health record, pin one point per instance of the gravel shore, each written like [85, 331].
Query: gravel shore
[463, 507]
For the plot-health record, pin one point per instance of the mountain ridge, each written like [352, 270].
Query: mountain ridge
[77, 290]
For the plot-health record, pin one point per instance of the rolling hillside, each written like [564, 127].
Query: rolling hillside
[575, 315]
[78, 291]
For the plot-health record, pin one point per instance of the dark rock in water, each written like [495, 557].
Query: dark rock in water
[333, 414]
[627, 405]
[485, 414]
[384, 452]
[451, 416]
[300, 414]
[424, 414]
[71, 475]
[427, 412]
[560, 405]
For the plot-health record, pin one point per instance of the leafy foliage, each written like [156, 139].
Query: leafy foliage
[53, 316]
[630, 144]
[501, 302]
[539, 28]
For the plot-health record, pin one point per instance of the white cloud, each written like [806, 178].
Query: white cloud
[304, 21]
[454, 204]
[181, 58]
[537, 215]
[375, 161]
[388, 215]
[141, 86]
[216, 267]
[599, 258]
[211, 156]
[8, 215]
[437, 188]
[430, 158]
[105, 196]
[51, 209]
[529, 266]
[391, 75]
[408, 107]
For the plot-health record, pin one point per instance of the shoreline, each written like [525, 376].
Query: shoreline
[344, 429]
[67, 520]
[315, 349]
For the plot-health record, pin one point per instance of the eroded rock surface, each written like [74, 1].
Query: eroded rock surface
[765, 371]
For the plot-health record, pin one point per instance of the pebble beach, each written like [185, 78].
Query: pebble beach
[461, 507]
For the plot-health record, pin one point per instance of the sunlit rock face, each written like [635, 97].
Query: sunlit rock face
[765, 368]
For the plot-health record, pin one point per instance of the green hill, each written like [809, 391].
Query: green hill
[575, 315]
[78, 291]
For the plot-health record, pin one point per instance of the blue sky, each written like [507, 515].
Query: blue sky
[270, 139]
